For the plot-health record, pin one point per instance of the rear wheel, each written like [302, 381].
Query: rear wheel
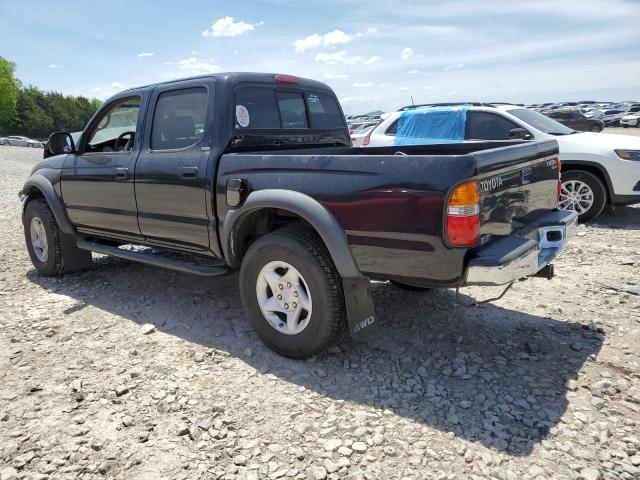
[584, 193]
[596, 128]
[292, 293]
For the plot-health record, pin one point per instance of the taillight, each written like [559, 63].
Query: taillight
[558, 165]
[366, 139]
[463, 215]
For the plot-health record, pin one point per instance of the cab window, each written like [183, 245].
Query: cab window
[115, 130]
[179, 119]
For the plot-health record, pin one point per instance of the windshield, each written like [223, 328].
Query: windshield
[541, 122]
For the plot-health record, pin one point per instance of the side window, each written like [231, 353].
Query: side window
[324, 111]
[116, 127]
[179, 119]
[293, 112]
[393, 129]
[487, 126]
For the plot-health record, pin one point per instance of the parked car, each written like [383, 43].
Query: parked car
[576, 120]
[357, 136]
[632, 118]
[18, 141]
[597, 169]
[3, 141]
[611, 118]
[269, 185]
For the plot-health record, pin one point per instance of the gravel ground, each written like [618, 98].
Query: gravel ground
[131, 372]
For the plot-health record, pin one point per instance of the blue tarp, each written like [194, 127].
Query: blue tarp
[425, 126]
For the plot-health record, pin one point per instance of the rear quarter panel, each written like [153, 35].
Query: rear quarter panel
[391, 207]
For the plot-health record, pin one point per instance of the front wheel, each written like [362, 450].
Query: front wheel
[584, 193]
[51, 251]
[596, 129]
[292, 293]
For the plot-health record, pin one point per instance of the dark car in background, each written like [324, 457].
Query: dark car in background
[576, 120]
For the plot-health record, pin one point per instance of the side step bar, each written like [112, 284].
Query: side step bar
[203, 269]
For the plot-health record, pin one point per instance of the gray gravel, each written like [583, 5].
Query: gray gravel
[131, 372]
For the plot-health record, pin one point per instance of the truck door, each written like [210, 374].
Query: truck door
[170, 174]
[97, 180]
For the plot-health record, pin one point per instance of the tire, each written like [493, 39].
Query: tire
[596, 129]
[62, 255]
[323, 324]
[572, 180]
[409, 287]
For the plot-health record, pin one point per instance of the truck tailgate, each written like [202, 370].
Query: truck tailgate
[517, 185]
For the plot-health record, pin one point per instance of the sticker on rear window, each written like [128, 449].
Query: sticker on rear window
[242, 116]
[313, 98]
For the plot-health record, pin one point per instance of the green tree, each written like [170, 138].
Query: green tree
[8, 94]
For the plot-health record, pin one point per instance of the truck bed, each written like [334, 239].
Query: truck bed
[390, 200]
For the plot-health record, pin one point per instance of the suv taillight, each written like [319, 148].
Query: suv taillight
[366, 139]
[463, 215]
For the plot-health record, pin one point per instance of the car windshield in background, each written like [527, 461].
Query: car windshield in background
[541, 122]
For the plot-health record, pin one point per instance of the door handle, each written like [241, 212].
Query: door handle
[122, 173]
[189, 172]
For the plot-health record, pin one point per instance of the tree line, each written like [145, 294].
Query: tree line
[29, 111]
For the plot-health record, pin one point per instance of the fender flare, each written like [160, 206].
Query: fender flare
[325, 224]
[356, 287]
[56, 205]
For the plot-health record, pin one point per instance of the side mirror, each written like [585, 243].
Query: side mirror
[519, 133]
[60, 142]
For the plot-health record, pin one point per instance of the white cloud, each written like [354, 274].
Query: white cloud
[117, 85]
[403, 89]
[335, 76]
[146, 54]
[372, 30]
[413, 72]
[453, 67]
[406, 53]
[54, 66]
[362, 85]
[343, 58]
[196, 66]
[227, 27]
[331, 39]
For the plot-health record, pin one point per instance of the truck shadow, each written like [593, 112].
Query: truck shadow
[487, 374]
[618, 217]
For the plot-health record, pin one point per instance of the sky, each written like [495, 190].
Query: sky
[375, 55]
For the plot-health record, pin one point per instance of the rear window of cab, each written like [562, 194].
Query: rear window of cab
[268, 108]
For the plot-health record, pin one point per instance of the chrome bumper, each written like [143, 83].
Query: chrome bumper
[524, 252]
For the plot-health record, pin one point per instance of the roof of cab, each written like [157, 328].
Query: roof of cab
[238, 77]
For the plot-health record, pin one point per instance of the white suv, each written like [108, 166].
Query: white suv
[597, 168]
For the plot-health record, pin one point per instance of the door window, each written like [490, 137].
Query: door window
[179, 119]
[324, 111]
[487, 126]
[115, 130]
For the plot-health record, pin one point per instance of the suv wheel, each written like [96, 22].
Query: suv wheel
[584, 193]
[51, 251]
[292, 293]
[596, 128]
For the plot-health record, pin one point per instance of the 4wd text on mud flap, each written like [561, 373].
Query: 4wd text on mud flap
[363, 324]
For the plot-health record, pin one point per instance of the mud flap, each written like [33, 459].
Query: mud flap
[74, 258]
[360, 308]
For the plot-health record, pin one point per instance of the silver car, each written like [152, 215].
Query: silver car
[18, 141]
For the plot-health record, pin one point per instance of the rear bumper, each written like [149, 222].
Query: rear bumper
[523, 253]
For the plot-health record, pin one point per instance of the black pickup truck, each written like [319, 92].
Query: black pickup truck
[256, 172]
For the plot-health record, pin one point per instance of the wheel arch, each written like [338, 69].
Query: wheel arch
[38, 186]
[265, 210]
[593, 168]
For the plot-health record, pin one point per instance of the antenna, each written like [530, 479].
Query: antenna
[412, 101]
